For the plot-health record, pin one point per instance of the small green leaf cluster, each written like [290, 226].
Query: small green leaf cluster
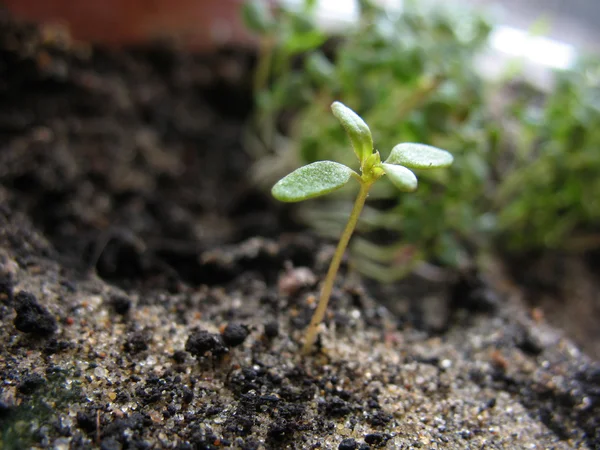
[323, 177]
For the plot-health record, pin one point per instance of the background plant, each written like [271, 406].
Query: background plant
[550, 196]
[412, 76]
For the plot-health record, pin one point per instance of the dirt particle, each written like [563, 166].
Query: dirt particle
[376, 439]
[30, 383]
[87, 421]
[32, 317]
[336, 407]
[348, 444]
[272, 329]
[249, 444]
[6, 289]
[120, 304]
[179, 356]
[68, 285]
[187, 395]
[281, 431]
[235, 334]
[529, 343]
[473, 293]
[55, 346]
[498, 360]
[137, 342]
[295, 279]
[379, 419]
[5, 410]
[200, 342]
[110, 444]
[537, 314]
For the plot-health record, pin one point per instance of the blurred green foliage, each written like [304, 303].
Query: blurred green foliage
[550, 194]
[526, 163]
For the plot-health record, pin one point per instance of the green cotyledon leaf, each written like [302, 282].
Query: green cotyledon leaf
[356, 128]
[312, 180]
[401, 177]
[419, 156]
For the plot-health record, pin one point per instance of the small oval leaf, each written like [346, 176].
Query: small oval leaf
[312, 180]
[356, 128]
[401, 177]
[304, 42]
[419, 156]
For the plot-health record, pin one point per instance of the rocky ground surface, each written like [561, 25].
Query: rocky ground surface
[85, 363]
[150, 299]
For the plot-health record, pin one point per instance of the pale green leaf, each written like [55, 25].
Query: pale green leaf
[312, 180]
[356, 128]
[305, 41]
[401, 177]
[419, 156]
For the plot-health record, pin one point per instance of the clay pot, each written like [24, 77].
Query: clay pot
[196, 24]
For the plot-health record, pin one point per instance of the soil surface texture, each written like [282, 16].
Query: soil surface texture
[151, 298]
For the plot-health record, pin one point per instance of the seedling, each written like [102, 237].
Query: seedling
[323, 177]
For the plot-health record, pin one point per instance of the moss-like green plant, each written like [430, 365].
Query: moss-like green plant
[409, 74]
[323, 177]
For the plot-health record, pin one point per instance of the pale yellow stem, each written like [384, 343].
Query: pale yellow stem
[312, 332]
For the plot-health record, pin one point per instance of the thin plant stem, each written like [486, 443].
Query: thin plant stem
[265, 57]
[265, 124]
[317, 318]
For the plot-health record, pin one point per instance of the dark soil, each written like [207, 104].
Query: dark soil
[565, 288]
[147, 298]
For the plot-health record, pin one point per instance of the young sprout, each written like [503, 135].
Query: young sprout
[323, 177]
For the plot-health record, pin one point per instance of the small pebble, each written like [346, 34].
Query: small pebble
[272, 329]
[235, 334]
[445, 364]
[32, 317]
[375, 438]
[348, 444]
[295, 279]
[179, 356]
[200, 342]
[30, 383]
[121, 304]
[137, 342]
